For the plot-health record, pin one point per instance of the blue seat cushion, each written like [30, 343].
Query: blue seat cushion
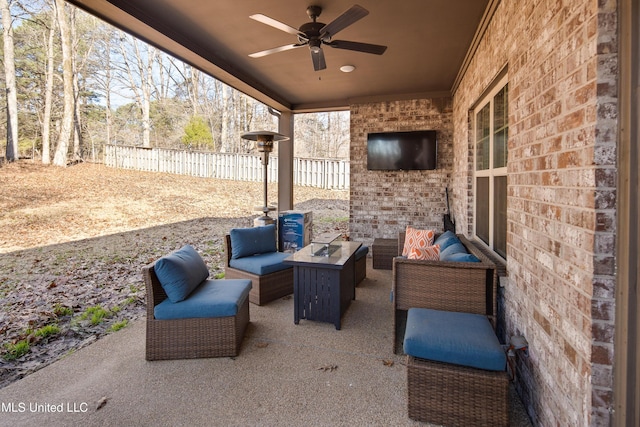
[261, 264]
[458, 338]
[362, 252]
[456, 248]
[251, 241]
[181, 272]
[213, 298]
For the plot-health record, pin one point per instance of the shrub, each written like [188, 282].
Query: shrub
[197, 134]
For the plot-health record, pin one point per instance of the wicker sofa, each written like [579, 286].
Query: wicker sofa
[448, 393]
[442, 285]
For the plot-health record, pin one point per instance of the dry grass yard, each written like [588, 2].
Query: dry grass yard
[74, 239]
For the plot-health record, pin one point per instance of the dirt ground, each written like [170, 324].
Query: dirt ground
[74, 240]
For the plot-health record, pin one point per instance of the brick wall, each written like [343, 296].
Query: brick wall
[561, 66]
[385, 202]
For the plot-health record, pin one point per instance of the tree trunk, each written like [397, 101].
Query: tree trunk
[77, 118]
[48, 95]
[142, 86]
[108, 91]
[225, 146]
[10, 78]
[60, 158]
[146, 105]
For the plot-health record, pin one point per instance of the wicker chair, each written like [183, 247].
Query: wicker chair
[190, 338]
[266, 287]
[468, 287]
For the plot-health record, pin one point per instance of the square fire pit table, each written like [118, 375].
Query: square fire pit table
[323, 286]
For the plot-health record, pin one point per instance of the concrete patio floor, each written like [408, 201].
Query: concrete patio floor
[285, 374]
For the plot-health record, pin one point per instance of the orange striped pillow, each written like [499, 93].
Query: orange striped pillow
[419, 239]
[432, 253]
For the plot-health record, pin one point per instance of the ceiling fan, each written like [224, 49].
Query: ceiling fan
[315, 34]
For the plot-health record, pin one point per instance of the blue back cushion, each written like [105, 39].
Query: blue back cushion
[213, 298]
[459, 338]
[251, 241]
[446, 239]
[181, 272]
[362, 252]
[456, 248]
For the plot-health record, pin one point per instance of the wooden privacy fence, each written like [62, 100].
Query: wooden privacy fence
[329, 174]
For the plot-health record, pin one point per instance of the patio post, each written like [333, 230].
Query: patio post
[285, 162]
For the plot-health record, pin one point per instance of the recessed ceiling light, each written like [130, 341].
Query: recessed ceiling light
[347, 68]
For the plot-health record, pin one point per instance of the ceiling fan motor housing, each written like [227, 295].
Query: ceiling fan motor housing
[311, 30]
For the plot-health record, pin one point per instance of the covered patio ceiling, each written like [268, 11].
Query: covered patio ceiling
[428, 44]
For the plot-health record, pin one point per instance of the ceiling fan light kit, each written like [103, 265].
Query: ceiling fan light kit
[347, 68]
[314, 34]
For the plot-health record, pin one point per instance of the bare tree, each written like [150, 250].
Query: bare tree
[140, 74]
[322, 134]
[102, 77]
[77, 117]
[60, 157]
[10, 83]
[225, 131]
[48, 92]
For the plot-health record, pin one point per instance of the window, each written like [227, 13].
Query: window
[490, 180]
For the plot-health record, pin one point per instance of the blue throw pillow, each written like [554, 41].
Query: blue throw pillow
[180, 273]
[252, 241]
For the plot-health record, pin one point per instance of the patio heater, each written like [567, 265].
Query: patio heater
[264, 144]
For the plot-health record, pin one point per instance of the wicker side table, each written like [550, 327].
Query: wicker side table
[383, 252]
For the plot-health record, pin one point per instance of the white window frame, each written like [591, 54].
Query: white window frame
[491, 172]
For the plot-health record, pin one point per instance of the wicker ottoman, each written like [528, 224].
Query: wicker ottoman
[456, 372]
[453, 395]
[384, 250]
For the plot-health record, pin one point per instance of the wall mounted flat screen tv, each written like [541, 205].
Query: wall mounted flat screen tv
[413, 150]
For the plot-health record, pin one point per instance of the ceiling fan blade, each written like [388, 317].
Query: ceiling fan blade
[318, 60]
[276, 24]
[275, 50]
[343, 21]
[376, 49]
